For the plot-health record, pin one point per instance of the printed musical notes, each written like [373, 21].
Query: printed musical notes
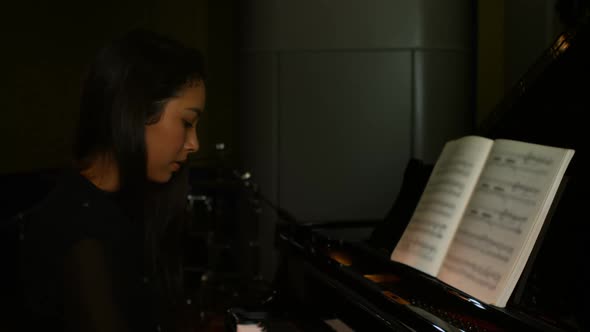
[485, 244]
[441, 206]
[421, 244]
[436, 206]
[446, 186]
[503, 219]
[481, 212]
[506, 190]
[482, 275]
[527, 162]
[428, 227]
[418, 247]
[454, 166]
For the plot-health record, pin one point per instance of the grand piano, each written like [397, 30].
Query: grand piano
[338, 276]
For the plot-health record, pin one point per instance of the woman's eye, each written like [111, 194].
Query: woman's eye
[187, 124]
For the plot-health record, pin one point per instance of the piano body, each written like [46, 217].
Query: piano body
[329, 274]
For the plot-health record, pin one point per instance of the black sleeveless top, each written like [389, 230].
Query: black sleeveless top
[82, 262]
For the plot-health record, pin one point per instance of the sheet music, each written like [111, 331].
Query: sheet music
[424, 242]
[500, 220]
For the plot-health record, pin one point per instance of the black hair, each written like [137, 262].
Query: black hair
[125, 89]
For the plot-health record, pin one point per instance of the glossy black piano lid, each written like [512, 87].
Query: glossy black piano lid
[549, 105]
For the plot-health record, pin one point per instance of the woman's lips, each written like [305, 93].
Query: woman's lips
[176, 165]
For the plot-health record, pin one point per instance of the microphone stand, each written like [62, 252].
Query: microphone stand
[281, 213]
[286, 217]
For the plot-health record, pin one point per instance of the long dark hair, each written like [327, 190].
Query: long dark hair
[125, 89]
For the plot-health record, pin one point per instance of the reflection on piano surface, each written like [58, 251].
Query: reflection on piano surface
[326, 276]
[370, 293]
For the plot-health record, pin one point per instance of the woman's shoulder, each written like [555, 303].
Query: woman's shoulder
[72, 193]
[74, 208]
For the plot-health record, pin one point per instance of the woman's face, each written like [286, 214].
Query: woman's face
[170, 140]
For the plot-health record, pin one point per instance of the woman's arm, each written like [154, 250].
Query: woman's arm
[89, 303]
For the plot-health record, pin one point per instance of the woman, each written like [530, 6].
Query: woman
[100, 253]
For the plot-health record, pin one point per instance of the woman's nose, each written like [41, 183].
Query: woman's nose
[192, 142]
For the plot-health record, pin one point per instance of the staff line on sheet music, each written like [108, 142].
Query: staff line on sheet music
[499, 223]
[503, 195]
[484, 271]
[517, 168]
[486, 252]
[419, 229]
[420, 248]
[470, 276]
[432, 191]
[526, 158]
[485, 239]
[422, 209]
[514, 187]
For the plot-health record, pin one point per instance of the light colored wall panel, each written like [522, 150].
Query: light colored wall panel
[259, 141]
[258, 119]
[345, 124]
[345, 24]
[350, 77]
[448, 24]
[443, 92]
[325, 24]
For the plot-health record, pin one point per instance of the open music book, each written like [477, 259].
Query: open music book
[481, 212]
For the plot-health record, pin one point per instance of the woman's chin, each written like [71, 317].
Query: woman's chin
[160, 178]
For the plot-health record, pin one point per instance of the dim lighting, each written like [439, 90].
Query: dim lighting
[381, 278]
[340, 257]
[395, 297]
[560, 45]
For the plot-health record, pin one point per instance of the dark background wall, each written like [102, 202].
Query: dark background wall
[46, 46]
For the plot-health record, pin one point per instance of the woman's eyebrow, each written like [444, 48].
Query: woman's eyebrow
[194, 109]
